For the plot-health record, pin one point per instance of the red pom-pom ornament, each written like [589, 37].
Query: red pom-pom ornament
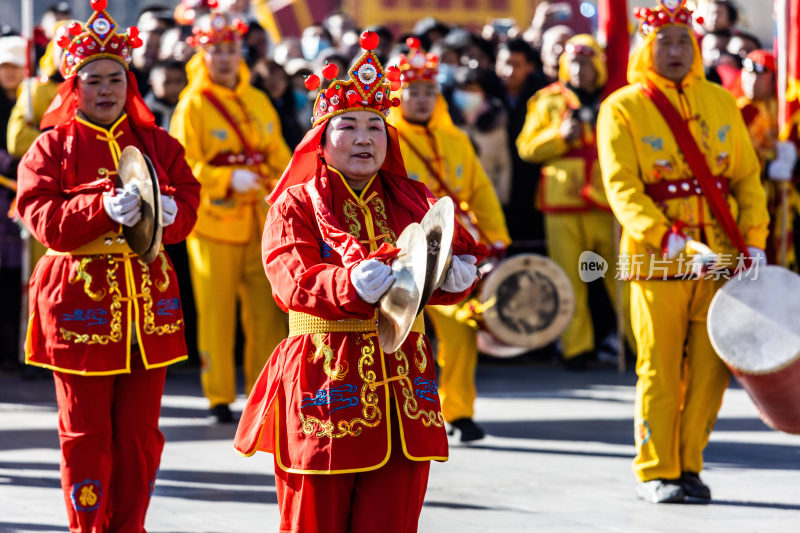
[395, 102]
[99, 5]
[330, 71]
[395, 84]
[75, 28]
[413, 43]
[133, 32]
[369, 40]
[311, 82]
[392, 73]
[63, 41]
[330, 92]
[136, 42]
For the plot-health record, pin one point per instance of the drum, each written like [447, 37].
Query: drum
[754, 327]
[526, 302]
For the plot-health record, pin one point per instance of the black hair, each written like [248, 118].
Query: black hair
[520, 46]
[167, 64]
[733, 12]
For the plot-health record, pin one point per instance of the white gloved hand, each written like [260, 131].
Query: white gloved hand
[758, 256]
[461, 275]
[371, 279]
[169, 210]
[123, 208]
[782, 167]
[243, 180]
[676, 242]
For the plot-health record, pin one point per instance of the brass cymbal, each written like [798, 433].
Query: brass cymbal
[397, 308]
[439, 225]
[144, 237]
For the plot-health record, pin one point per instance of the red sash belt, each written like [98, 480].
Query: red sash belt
[667, 190]
[229, 159]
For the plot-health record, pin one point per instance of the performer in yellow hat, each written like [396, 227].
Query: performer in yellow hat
[233, 142]
[442, 157]
[678, 168]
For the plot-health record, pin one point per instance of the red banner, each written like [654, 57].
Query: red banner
[613, 32]
[787, 51]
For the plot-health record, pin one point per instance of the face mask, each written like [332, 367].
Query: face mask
[467, 101]
[313, 46]
[299, 99]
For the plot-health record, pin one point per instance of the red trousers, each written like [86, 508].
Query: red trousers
[388, 499]
[110, 447]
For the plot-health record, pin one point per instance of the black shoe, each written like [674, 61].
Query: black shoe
[578, 363]
[467, 428]
[696, 491]
[661, 491]
[222, 413]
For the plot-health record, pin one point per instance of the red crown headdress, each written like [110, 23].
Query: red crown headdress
[417, 65]
[667, 12]
[366, 90]
[214, 28]
[97, 39]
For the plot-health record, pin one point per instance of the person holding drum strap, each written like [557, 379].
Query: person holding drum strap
[102, 319]
[668, 194]
[233, 142]
[352, 429]
[442, 157]
[559, 133]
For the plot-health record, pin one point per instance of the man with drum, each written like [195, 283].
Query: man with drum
[105, 321]
[233, 141]
[559, 133]
[442, 157]
[678, 168]
[352, 427]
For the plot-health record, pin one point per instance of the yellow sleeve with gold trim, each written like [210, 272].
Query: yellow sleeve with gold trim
[21, 134]
[635, 210]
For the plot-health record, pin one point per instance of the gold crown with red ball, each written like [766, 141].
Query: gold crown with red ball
[214, 28]
[667, 12]
[97, 39]
[417, 65]
[367, 89]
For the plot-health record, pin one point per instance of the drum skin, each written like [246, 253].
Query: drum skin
[753, 325]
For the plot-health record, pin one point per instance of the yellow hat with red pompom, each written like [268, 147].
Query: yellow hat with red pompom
[417, 65]
[98, 38]
[367, 89]
[666, 12]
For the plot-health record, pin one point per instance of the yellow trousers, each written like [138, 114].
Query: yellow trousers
[681, 378]
[568, 235]
[457, 358]
[222, 272]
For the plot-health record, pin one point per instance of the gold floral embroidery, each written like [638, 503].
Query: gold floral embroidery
[336, 374]
[370, 411]
[380, 221]
[82, 275]
[421, 361]
[351, 216]
[147, 304]
[116, 313]
[165, 268]
[411, 407]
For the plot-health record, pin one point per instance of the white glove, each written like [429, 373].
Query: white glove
[169, 210]
[123, 208]
[462, 273]
[782, 167]
[243, 180]
[371, 279]
[757, 255]
[676, 242]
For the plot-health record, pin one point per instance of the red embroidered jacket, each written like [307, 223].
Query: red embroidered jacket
[82, 305]
[322, 404]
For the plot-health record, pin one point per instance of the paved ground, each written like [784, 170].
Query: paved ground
[557, 459]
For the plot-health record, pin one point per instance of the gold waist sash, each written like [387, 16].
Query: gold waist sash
[303, 324]
[110, 243]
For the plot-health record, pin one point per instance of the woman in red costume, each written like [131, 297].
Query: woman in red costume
[353, 429]
[104, 321]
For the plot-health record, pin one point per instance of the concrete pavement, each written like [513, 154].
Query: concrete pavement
[556, 459]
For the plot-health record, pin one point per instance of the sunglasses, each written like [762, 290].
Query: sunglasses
[579, 50]
[751, 66]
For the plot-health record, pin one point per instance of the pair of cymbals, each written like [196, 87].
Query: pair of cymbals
[419, 269]
[144, 238]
